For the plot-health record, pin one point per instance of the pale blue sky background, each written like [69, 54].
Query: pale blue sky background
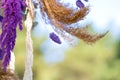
[106, 13]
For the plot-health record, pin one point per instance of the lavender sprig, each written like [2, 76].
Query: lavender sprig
[12, 18]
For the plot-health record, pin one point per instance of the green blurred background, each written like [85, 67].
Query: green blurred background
[99, 61]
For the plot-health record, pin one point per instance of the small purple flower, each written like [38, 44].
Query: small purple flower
[79, 4]
[55, 38]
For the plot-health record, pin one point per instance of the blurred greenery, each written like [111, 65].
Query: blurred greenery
[82, 62]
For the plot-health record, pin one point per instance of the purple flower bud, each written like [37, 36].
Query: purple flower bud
[55, 38]
[23, 5]
[1, 57]
[1, 18]
[79, 4]
[86, 0]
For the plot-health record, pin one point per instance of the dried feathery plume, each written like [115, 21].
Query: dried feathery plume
[56, 11]
[61, 17]
[83, 34]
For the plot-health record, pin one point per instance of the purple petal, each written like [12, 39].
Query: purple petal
[55, 38]
[79, 4]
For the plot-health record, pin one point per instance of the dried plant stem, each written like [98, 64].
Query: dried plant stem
[29, 50]
[28, 75]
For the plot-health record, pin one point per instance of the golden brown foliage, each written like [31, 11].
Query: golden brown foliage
[61, 17]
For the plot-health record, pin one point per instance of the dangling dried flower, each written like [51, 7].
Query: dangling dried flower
[12, 18]
[80, 4]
